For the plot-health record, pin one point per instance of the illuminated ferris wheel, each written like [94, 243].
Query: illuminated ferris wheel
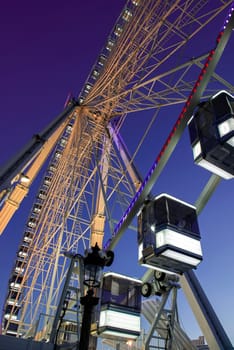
[92, 189]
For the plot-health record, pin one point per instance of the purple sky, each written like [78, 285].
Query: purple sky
[47, 50]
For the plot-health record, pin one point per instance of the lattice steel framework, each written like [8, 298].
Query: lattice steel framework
[149, 62]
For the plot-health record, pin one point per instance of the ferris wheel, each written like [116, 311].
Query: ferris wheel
[95, 185]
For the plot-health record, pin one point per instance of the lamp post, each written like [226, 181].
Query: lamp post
[94, 262]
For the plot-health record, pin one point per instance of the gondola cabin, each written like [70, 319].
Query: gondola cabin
[211, 132]
[168, 235]
[120, 308]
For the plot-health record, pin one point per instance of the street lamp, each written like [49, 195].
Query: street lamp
[94, 262]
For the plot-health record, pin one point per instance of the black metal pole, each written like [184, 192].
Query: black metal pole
[88, 301]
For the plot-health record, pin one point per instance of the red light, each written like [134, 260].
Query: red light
[188, 102]
[219, 37]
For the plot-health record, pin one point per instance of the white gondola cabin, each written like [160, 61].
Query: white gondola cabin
[168, 235]
[212, 134]
[120, 308]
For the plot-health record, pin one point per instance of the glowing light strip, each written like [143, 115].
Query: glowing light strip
[114, 274]
[227, 19]
[174, 129]
[121, 320]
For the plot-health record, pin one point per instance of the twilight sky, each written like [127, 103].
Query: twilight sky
[47, 51]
